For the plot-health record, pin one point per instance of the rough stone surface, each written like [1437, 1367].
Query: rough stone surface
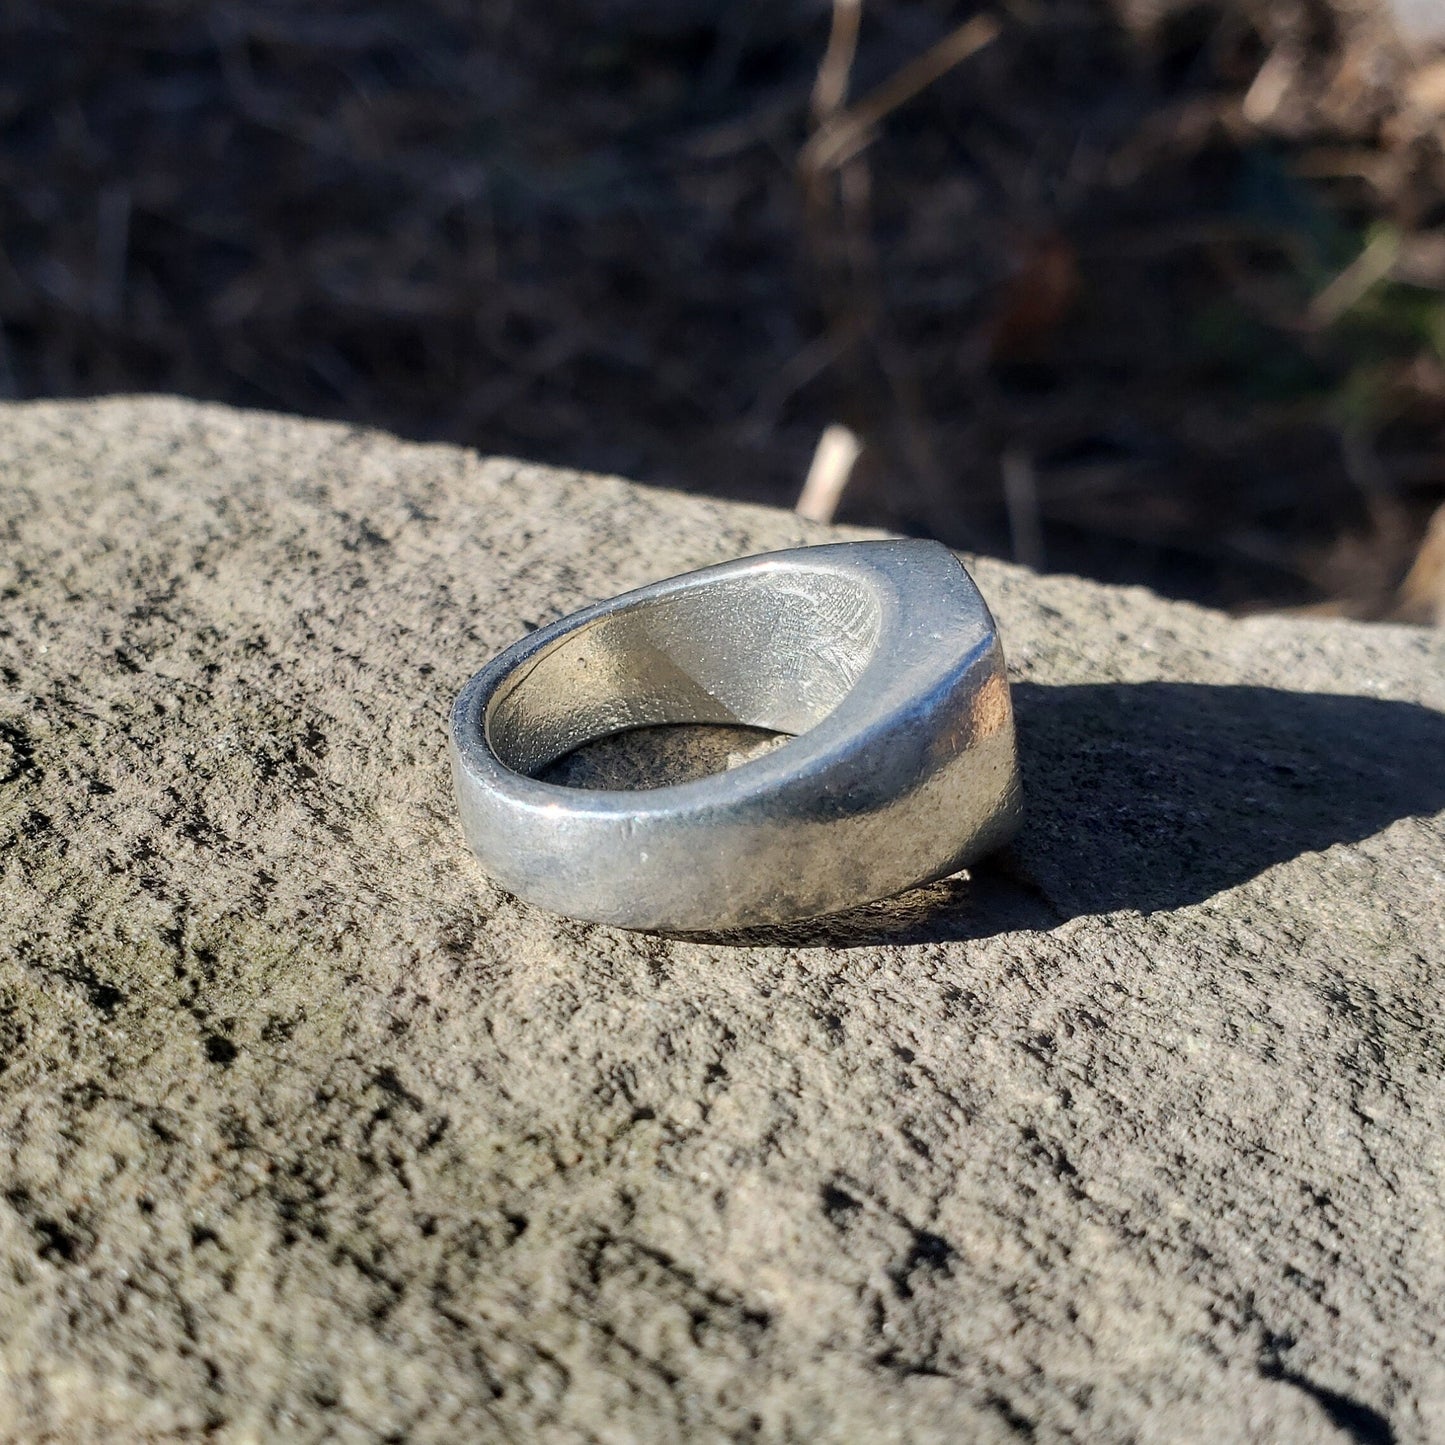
[307, 1131]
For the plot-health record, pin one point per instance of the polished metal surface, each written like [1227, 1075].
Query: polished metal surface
[882, 659]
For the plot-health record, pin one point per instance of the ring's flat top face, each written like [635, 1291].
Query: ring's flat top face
[881, 657]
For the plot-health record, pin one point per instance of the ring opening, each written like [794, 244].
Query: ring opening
[776, 650]
[644, 758]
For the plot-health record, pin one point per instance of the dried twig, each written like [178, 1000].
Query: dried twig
[830, 91]
[1350, 287]
[837, 453]
[1422, 593]
[1270, 85]
[851, 129]
[837, 190]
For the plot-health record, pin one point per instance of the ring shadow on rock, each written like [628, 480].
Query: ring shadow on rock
[1151, 796]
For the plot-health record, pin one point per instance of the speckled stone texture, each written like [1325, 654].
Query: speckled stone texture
[308, 1132]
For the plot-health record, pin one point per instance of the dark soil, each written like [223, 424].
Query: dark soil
[1151, 292]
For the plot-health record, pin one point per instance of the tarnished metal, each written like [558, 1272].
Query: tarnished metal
[880, 657]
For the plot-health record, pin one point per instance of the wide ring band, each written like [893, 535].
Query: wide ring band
[881, 657]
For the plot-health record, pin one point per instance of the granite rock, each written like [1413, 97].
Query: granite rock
[309, 1132]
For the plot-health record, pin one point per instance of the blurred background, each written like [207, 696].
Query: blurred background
[1148, 290]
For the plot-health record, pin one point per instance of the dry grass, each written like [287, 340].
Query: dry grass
[1151, 291]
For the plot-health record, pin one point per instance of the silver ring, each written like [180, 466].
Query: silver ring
[880, 658]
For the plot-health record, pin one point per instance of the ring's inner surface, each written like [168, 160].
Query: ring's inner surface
[778, 650]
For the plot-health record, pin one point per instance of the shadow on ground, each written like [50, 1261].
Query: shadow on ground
[1151, 796]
